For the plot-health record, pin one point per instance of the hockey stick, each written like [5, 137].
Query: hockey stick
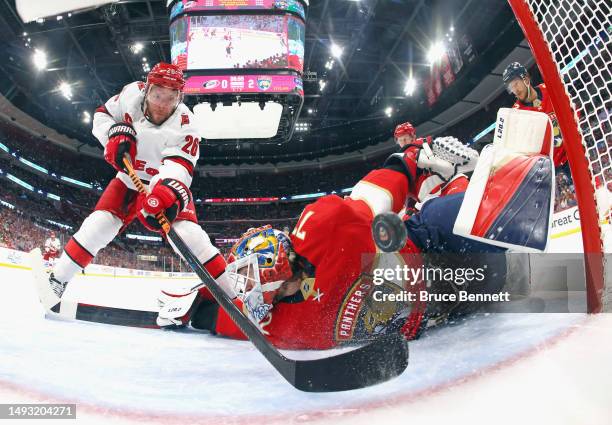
[69, 309]
[376, 362]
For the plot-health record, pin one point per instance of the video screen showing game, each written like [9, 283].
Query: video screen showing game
[292, 6]
[238, 42]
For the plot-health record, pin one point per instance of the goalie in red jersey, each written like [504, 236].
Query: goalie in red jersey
[313, 289]
[316, 288]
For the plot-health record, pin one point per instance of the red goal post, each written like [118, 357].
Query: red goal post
[570, 41]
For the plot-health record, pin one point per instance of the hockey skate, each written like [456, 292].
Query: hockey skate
[49, 289]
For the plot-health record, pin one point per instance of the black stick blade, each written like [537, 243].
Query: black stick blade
[381, 360]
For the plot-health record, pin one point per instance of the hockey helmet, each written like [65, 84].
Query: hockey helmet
[513, 71]
[163, 92]
[166, 75]
[258, 264]
[403, 130]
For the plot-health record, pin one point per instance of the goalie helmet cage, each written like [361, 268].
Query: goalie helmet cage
[570, 41]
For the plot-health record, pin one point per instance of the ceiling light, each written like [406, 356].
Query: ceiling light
[322, 84]
[137, 47]
[310, 110]
[388, 111]
[86, 117]
[410, 86]
[336, 50]
[40, 59]
[436, 51]
[65, 90]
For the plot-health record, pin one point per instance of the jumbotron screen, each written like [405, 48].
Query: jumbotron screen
[238, 41]
[292, 6]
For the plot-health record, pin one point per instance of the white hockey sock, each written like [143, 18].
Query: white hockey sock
[97, 230]
[199, 242]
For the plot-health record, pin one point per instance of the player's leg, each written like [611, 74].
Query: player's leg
[198, 241]
[431, 230]
[112, 211]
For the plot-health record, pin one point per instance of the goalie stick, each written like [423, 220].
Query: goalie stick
[68, 309]
[376, 362]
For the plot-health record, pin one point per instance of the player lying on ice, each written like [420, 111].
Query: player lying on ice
[148, 122]
[313, 289]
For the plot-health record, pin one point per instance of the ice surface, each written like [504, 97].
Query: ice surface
[133, 374]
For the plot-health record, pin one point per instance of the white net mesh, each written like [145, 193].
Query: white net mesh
[578, 36]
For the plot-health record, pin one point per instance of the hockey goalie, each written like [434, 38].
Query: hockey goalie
[313, 289]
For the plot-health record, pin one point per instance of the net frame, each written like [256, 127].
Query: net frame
[571, 44]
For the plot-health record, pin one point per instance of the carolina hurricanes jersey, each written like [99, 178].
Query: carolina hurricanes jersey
[174, 143]
[52, 245]
[544, 104]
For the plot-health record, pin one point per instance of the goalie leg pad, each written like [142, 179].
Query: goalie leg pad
[516, 202]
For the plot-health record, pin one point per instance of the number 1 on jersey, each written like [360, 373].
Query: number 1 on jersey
[298, 232]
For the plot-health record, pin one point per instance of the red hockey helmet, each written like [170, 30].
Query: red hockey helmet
[404, 129]
[166, 75]
[163, 92]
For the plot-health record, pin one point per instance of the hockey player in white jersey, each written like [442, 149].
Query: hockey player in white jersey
[148, 122]
[52, 249]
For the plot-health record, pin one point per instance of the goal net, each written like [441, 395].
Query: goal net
[570, 41]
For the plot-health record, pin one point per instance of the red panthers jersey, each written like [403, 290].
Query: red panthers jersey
[329, 235]
[335, 305]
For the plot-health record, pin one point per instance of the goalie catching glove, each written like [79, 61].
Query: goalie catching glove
[168, 196]
[431, 165]
[121, 140]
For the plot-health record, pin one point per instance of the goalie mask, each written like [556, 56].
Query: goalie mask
[258, 264]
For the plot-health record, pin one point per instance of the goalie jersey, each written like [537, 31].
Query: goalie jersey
[334, 305]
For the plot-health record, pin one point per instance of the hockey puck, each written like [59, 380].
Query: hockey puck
[389, 232]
